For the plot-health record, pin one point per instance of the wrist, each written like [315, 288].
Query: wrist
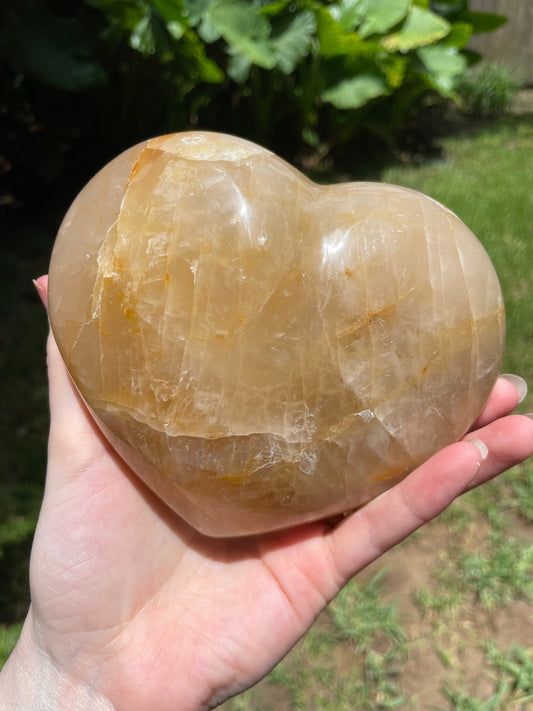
[30, 681]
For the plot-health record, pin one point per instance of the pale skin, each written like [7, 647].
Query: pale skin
[132, 610]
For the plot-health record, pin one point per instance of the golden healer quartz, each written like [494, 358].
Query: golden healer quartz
[261, 350]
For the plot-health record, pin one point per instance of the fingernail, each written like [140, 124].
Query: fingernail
[483, 449]
[529, 414]
[518, 382]
[40, 292]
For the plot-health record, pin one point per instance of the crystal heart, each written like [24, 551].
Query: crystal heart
[264, 351]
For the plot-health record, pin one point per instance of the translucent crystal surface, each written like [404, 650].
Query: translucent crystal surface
[262, 350]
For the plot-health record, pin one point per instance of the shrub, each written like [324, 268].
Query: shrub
[488, 89]
[297, 75]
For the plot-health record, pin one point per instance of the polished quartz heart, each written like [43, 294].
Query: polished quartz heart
[264, 351]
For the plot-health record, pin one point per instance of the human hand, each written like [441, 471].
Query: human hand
[133, 609]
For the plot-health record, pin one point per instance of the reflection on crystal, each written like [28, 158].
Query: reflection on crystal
[264, 351]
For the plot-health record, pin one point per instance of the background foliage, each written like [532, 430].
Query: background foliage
[305, 77]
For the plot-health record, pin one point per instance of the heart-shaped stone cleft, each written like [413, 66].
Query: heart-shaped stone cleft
[262, 350]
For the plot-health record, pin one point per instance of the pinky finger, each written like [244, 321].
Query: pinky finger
[509, 391]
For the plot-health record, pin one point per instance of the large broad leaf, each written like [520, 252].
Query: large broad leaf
[471, 57]
[421, 27]
[238, 67]
[394, 67]
[483, 21]
[444, 65]
[293, 41]
[170, 10]
[275, 8]
[207, 31]
[335, 42]
[195, 9]
[245, 29]
[142, 38]
[459, 35]
[355, 92]
[450, 9]
[153, 36]
[382, 15]
[350, 13]
[193, 48]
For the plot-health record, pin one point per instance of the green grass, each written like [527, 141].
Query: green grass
[512, 680]
[521, 479]
[488, 89]
[498, 574]
[348, 662]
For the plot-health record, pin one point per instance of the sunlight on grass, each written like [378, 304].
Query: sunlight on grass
[8, 639]
[349, 662]
[512, 679]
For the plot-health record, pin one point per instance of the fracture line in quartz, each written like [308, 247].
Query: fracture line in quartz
[474, 346]
[174, 236]
[145, 360]
[371, 395]
[102, 265]
[425, 270]
[184, 375]
[238, 297]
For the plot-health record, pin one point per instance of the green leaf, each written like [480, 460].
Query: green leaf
[355, 92]
[394, 67]
[238, 19]
[444, 66]
[193, 48]
[442, 60]
[459, 35]
[275, 8]
[334, 42]
[170, 10]
[349, 13]
[195, 9]
[382, 15]
[483, 21]
[450, 9]
[152, 36]
[176, 30]
[208, 32]
[238, 68]
[142, 38]
[244, 29]
[293, 42]
[421, 27]
[471, 57]
[310, 136]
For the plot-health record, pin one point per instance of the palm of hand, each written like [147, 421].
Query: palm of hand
[129, 599]
[124, 591]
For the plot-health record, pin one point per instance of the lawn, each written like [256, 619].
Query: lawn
[445, 621]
